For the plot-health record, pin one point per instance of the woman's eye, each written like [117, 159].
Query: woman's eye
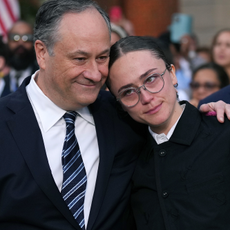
[128, 92]
[150, 79]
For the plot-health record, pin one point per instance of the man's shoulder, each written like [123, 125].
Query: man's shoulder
[223, 94]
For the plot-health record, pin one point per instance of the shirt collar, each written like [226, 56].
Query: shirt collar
[161, 138]
[48, 112]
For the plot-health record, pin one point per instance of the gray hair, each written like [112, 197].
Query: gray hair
[50, 15]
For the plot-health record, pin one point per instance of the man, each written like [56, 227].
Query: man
[72, 43]
[22, 58]
[37, 138]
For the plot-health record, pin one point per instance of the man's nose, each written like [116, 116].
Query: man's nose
[93, 72]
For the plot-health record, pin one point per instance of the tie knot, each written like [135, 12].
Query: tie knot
[70, 117]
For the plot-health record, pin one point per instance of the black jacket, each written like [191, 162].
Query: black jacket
[184, 184]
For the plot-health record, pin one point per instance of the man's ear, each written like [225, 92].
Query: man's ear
[41, 53]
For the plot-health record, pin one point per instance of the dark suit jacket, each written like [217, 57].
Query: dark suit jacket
[222, 94]
[29, 198]
[7, 88]
[184, 184]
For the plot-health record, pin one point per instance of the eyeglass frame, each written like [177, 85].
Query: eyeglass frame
[23, 37]
[138, 91]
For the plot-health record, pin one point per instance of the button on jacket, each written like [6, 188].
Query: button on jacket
[184, 184]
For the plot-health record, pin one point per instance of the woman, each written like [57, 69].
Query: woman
[221, 49]
[206, 80]
[182, 178]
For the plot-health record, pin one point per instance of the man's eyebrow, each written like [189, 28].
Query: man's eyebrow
[144, 75]
[81, 52]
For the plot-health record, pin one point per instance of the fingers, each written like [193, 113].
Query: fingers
[227, 110]
[219, 107]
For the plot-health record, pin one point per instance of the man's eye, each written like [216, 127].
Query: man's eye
[103, 58]
[80, 59]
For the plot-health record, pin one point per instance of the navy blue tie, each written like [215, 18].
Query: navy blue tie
[75, 179]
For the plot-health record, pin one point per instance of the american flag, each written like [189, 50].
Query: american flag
[9, 13]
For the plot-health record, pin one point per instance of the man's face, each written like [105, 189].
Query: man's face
[74, 74]
[21, 45]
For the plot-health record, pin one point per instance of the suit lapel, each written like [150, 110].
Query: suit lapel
[32, 149]
[104, 127]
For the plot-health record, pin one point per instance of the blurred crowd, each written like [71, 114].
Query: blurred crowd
[201, 70]
[17, 57]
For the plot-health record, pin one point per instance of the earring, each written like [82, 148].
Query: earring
[175, 85]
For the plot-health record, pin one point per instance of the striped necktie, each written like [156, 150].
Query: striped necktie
[74, 174]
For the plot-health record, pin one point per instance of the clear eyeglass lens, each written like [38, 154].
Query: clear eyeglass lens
[129, 97]
[16, 37]
[24, 38]
[154, 84]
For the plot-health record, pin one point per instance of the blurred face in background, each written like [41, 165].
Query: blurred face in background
[205, 82]
[221, 49]
[114, 38]
[20, 43]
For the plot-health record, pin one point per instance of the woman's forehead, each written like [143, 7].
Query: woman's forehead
[136, 60]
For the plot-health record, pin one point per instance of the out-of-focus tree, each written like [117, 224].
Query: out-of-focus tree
[29, 9]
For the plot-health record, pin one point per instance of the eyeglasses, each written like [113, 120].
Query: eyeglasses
[23, 37]
[207, 85]
[154, 84]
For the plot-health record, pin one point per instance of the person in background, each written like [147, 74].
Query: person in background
[207, 79]
[21, 52]
[117, 33]
[117, 17]
[204, 52]
[4, 69]
[220, 50]
[182, 178]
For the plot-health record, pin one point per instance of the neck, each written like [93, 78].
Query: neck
[165, 126]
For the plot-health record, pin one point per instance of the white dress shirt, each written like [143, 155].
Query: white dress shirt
[53, 129]
[161, 138]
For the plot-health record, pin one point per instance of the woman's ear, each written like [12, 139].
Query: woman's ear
[173, 75]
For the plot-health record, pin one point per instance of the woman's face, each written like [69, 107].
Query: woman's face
[205, 82]
[221, 49]
[159, 110]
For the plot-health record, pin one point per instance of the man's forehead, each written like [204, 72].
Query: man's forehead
[21, 27]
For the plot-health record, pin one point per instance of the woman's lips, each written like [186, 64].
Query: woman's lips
[154, 110]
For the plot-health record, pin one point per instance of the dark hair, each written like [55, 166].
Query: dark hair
[50, 14]
[136, 43]
[215, 38]
[220, 72]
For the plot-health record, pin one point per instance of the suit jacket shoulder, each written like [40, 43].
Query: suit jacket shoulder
[222, 94]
